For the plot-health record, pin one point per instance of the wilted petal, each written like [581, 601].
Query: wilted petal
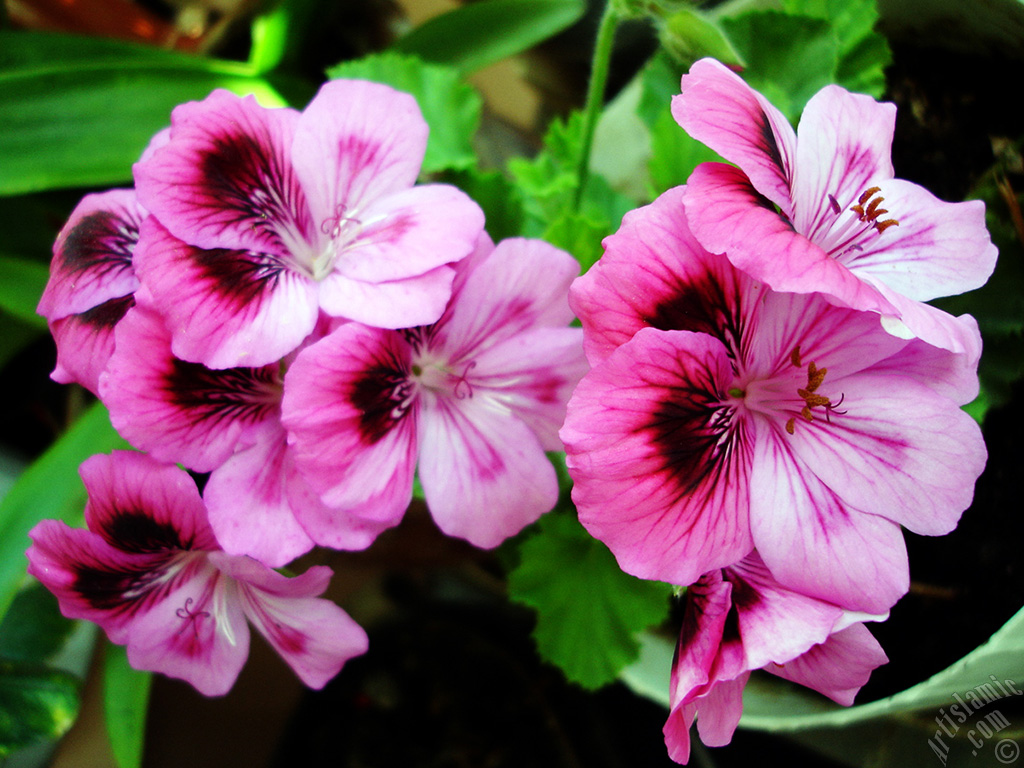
[717, 108]
[224, 308]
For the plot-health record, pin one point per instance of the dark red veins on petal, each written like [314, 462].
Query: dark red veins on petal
[121, 589]
[137, 532]
[701, 305]
[240, 277]
[242, 174]
[383, 395]
[100, 241]
[233, 394]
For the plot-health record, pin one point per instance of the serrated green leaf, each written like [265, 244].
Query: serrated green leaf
[501, 202]
[451, 108]
[125, 703]
[579, 235]
[33, 629]
[674, 155]
[50, 488]
[35, 704]
[477, 34]
[589, 612]
[21, 284]
[78, 111]
[789, 58]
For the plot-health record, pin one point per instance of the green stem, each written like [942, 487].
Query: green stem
[595, 92]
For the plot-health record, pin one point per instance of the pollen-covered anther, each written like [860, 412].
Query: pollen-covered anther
[815, 377]
[868, 210]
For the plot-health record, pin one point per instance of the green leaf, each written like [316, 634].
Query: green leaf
[35, 704]
[78, 111]
[690, 35]
[578, 234]
[125, 702]
[451, 108]
[33, 629]
[21, 284]
[674, 155]
[50, 488]
[789, 58]
[477, 34]
[589, 612]
[16, 336]
[501, 202]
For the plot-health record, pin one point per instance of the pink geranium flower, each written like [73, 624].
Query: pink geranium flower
[740, 619]
[721, 416]
[150, 572]
[820, 211]
[263, 217]
[475, 399]
[92, 283]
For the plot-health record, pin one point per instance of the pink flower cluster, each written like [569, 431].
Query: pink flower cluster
[278, 305]
[770, 401]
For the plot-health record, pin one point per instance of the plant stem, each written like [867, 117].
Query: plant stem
[595, 92]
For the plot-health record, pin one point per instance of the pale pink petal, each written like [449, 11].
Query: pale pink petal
[196, 633]
[839, 667]
[484, 474]
[178, 411]
[92, 257]
[85, 342]
[815, 543]
[409, 233]
[253, 499]
[655, 274]
[844, 148]
[350, 412]
[399, 304]
[727, 215]
[521, 285]
[224, 308]
[952, 375]
[900, 450]
[717, 108]
[534, 374]
[642, 441]
[224, 180]
[355, 143]
[719, 712]
[314, 636]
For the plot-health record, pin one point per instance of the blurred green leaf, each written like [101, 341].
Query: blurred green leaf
[16, 336]
[579, 235]
[78, 111]
[35, 704]
[33, 629]
[691, 35]
[451, 108]
[477, 34]
[589, 613]
[49, 489]
[495, 194]
[125, 702]
[21, 284]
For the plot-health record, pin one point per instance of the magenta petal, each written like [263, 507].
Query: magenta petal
[178, 411]
[930, 324]
[642, 443]
[356, 143]
[92, 258]
[196, 633]
[839, 667]
[816, 544]
[484, 474]
[224, 308]
[253, 499]
[85, 342]
[224, 180]
[717, 108]
[350, 414]
[719, 712]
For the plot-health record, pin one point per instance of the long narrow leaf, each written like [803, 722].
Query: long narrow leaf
[125, 701]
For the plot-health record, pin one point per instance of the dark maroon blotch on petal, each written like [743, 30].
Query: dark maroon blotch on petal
[701, 306]
[119, 590]
[137, 531]
[108, 314]
[101, 240]
[233, 394]
[241, 277]
[382, 396]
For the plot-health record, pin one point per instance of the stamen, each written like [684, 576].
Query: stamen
[463, 381]
[190, 617]
[795, 357]
[836, 207]
[868, 194]
[815, 377]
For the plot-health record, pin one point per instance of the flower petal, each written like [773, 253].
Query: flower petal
[92, 258]
[717, 108]
[655, 477]
[398, 304]
[484, 474]
[85, 342]
[224, 308]
[225, 180]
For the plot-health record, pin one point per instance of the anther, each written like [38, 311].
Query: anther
[795, 356]
[836, 207]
